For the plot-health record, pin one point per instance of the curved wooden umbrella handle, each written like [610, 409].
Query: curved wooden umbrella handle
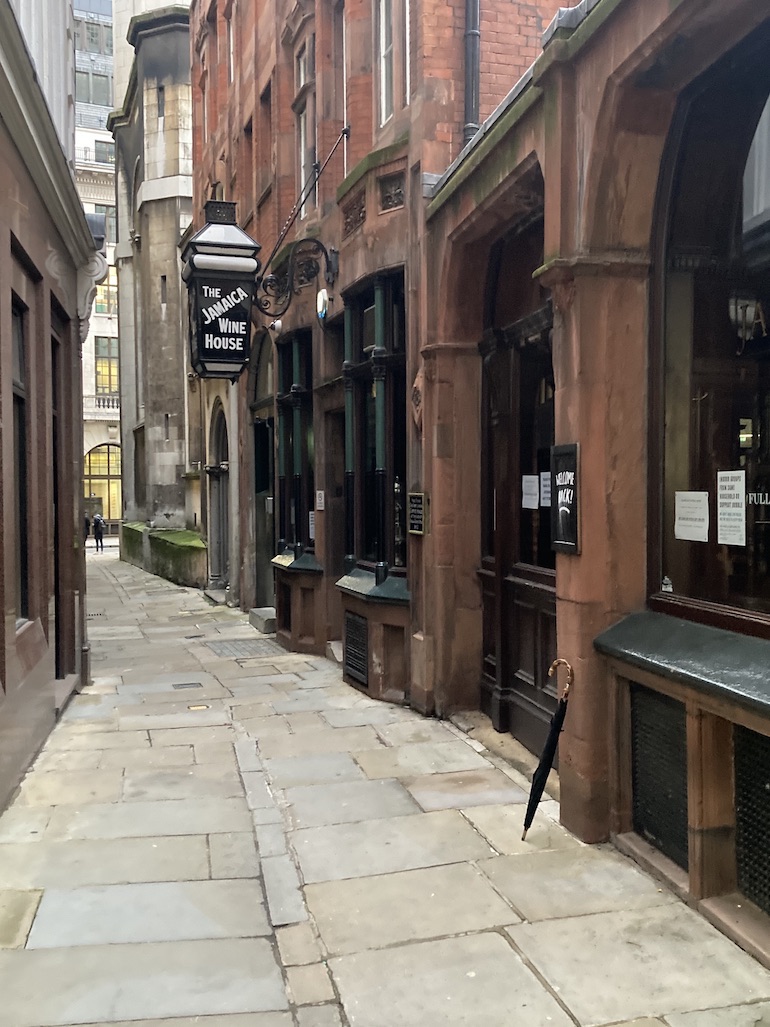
[570, 674]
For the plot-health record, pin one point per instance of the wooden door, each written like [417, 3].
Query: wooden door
[518, 566]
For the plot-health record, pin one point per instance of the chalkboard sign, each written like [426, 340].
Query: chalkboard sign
[565, 522]
[417, 513]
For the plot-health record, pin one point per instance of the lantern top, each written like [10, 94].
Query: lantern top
[221, 235]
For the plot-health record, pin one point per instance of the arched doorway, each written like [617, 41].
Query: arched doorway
[518, 572]
[102, 484]
[219, 499]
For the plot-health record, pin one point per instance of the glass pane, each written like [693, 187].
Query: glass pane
[369, 483]
[101, 92]
[82, 91]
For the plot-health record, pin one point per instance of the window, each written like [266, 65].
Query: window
[107, 366]
[230, 50]
[161, 102]
[93, 37]
[713, 560]
[107, 294]
[385, 58]
[104, 152]
[20, 466]
[379, 380]
[304, 109]
[265, 152]
[110, 223]
[101, 481]
[93, 88]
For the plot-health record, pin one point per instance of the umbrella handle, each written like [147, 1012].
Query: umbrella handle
[570, 674]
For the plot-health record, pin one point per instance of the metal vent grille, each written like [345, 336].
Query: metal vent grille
[752, 815]
[356, 659]
[245, 648]
[659, 754]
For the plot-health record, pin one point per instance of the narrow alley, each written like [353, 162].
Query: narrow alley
[222, 833]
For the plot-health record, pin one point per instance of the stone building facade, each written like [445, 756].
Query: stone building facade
[49, 268]
[152, 131]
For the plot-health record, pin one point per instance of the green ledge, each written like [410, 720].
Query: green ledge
[363, 584]
[305, 564]
[709, 660]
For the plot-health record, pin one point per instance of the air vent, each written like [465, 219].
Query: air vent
[356, 657]
[659, 747]
[752, 815]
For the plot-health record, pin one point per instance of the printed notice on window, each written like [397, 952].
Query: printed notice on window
[545, 488]
[530, 492]
[691, 516]
[731, 508]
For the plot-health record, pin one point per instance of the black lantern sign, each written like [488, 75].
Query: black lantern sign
[220, 271]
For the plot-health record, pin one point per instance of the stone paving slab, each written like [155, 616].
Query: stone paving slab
[377, 912]
[134, 759]
[343, 739]
[565, 882]
[282, 885]
[348, 801]
[234, 1020]
[67, 738]
[735, 1016]
[68, 864]
[456, 982]
[502, 827]
[24, 823]
[132, 982]
[66, 760]
[138, 719]
[464, 788]
[653, 962]
[305, 770]
[419, 759]
[386, 846]
[70, 787]
[142, 819]
[208, 780]
[162, 911]
[17, 911]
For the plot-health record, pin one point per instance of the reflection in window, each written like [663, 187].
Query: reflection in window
[107, 294]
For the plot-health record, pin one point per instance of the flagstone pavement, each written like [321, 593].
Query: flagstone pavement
[224, 834]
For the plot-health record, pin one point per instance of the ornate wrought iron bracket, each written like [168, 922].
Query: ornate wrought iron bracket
[276, 290]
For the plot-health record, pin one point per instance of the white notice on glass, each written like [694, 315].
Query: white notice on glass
[691, 516]
[530, 491]
[311, 525]
[545, 488]
[731, 508]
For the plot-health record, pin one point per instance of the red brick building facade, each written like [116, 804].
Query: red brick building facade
[585, 280]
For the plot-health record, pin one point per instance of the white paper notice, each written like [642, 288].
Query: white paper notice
[545, 488]
[731, 508]
[311, 525]
[691, 516]
[530, 495]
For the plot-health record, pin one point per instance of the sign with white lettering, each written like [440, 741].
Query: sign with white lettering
[565, 523]
[220, 317]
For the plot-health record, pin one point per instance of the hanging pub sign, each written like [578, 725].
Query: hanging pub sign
[220, 269]
[220, 323]
[565, 509]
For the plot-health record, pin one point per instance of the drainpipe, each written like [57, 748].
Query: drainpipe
[472, 72]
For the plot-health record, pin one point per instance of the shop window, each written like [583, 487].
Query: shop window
[20, 463]
[296, 472]
[107, 366]
[715, 530]
[380, 472]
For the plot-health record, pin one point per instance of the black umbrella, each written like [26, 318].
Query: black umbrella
[540, 776]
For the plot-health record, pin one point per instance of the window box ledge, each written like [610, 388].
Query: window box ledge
[720, 663]
[304, 564]
[363, 584]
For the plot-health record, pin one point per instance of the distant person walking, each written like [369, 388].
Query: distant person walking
[86, 529]
[99, 526]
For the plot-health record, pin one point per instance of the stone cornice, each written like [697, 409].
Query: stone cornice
[29, 123]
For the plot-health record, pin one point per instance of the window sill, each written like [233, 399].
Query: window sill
[723, 664]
